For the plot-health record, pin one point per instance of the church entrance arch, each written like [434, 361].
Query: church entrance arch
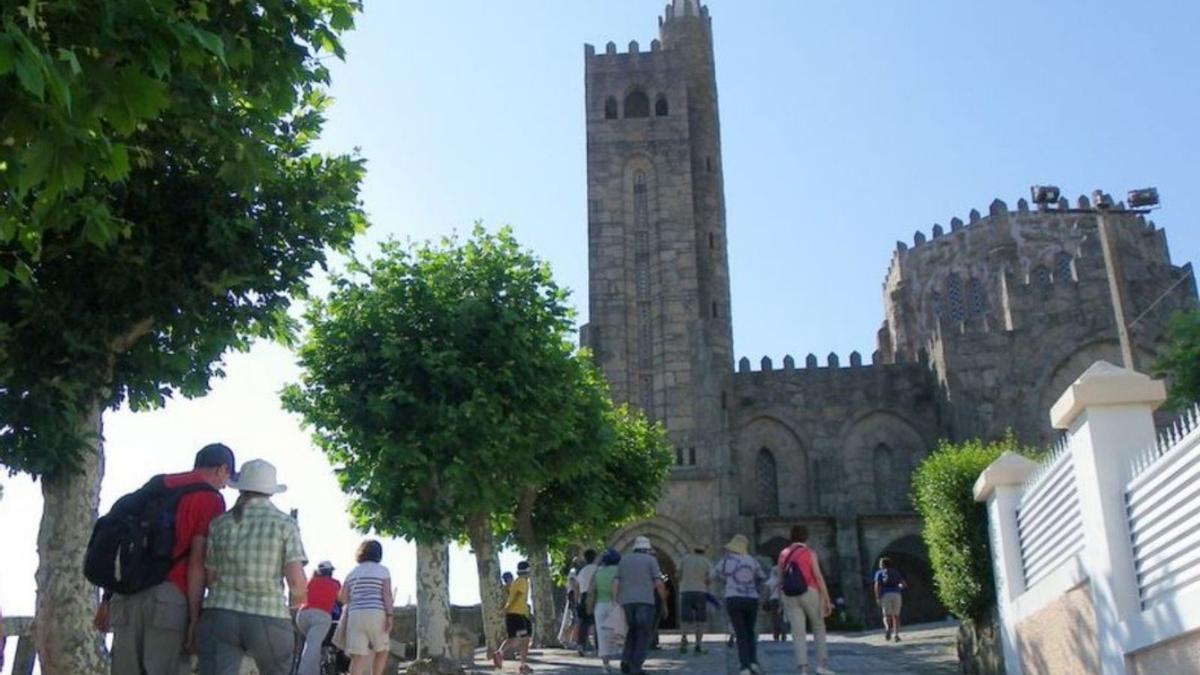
[908, 554]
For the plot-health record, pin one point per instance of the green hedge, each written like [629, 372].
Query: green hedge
[956, 531]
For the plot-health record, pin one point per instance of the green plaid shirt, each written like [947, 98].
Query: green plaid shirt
[248, 558]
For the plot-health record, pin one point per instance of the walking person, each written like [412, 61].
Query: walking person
[889, 589]
[366, 612]
[693, 598]
[774, 606]
[316, 616]
[584, 581]
[517, 625]
[153, 626]
[567, 633]
[805, 597]
[610, 618]
[251, 551]
[638, 580]
[742, 576]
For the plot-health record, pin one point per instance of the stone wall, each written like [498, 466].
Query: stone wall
[1181, 655]
[1061, 638]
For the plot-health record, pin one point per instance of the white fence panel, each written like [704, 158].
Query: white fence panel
[1162, 502]
[1048, 518]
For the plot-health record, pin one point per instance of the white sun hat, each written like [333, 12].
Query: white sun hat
[257, 475]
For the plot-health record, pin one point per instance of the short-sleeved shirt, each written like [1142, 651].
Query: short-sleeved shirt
[366, 584]
[193, 515]
[803, 557]
[741, 575]
[889, 579]
[518, 597]
[693, 573]
[322, 594]
[248, 556]
[584, 577]
[637, 572]
[602, 583]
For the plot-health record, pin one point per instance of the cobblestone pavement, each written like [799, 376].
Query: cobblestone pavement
[926, 649]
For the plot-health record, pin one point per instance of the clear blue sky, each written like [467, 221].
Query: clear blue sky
[846, 126]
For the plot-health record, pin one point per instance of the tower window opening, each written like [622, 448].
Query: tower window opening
[712, 241]
[610, 108]
[637, 104]
[708, 164]
[692, 456]
[714, 309]
[1062, 267]
[660, 106]
[679, 456]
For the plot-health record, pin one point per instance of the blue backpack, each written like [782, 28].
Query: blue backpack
[793, 583]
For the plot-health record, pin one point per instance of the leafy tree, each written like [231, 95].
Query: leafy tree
[595, 498]
[1181, 362]
[434, 375]
[956, 527]
[81, 81]
[223, 212]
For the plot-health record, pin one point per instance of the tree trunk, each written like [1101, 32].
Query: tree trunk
[491, 595]
[545, 632]
[67, 644]
[545, 628]
[433, 599]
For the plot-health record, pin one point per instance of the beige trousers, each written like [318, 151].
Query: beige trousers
[802, 609]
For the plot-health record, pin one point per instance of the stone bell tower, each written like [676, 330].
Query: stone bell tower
[658, 267]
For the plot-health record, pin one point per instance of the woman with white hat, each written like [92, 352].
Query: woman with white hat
[741, 574]
[252, 549]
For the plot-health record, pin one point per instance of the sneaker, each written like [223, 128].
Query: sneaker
[896, 637]
[744, 671]
[887, 635]
[754, 668]
[624, 667]
[698, 650]
[824, 670]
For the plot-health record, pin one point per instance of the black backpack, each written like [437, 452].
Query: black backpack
[132, 545]
[793, 583]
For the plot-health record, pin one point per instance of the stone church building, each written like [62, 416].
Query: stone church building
[985, 323]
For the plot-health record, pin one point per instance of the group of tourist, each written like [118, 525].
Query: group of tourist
[220, 598]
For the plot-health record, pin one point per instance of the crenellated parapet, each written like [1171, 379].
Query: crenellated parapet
[831, 362]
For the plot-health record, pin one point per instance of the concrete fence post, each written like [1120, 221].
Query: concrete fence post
[1000, 486]
[1109, 415]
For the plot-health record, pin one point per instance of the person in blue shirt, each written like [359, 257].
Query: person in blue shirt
[889, 589]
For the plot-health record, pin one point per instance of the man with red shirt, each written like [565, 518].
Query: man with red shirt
[153, 628]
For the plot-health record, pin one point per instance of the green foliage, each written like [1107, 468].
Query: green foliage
[1180, 364]
[136, 278]
[87, 85]
[439, 379]
[956, 529]
[622, 487]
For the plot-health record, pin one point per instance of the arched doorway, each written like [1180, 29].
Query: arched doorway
[921, 605]
[667, 565]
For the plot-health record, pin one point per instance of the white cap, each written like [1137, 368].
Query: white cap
[642, 544]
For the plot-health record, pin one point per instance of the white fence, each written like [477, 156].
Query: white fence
[1112, 520]
[1162, 502]
[1048, 518]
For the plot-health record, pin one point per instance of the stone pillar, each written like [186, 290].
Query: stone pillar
[1000, 486]
[1109, 414]
[850, 567]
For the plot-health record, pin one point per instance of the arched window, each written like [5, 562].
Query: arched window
[767, 483]
[976, 300]
[954, 298]
[1041, 275]
[1062, 267]
[637, 104]
[610, 108]
[660, 106]
[886, 479]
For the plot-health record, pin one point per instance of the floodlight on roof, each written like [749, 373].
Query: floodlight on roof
[1143, 198]
[1044, 195]
[1102, 200]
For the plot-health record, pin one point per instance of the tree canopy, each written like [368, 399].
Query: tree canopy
[88, 85]
[434, 375]
[1180, 364]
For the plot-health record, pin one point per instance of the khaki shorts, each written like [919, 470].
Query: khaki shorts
[890, 602]
[365, 633]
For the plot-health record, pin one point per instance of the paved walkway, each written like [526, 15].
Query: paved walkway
[926, 649]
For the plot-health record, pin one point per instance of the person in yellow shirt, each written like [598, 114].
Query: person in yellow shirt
[516, 619]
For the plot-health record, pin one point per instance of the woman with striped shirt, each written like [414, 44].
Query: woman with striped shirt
[367, 598]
